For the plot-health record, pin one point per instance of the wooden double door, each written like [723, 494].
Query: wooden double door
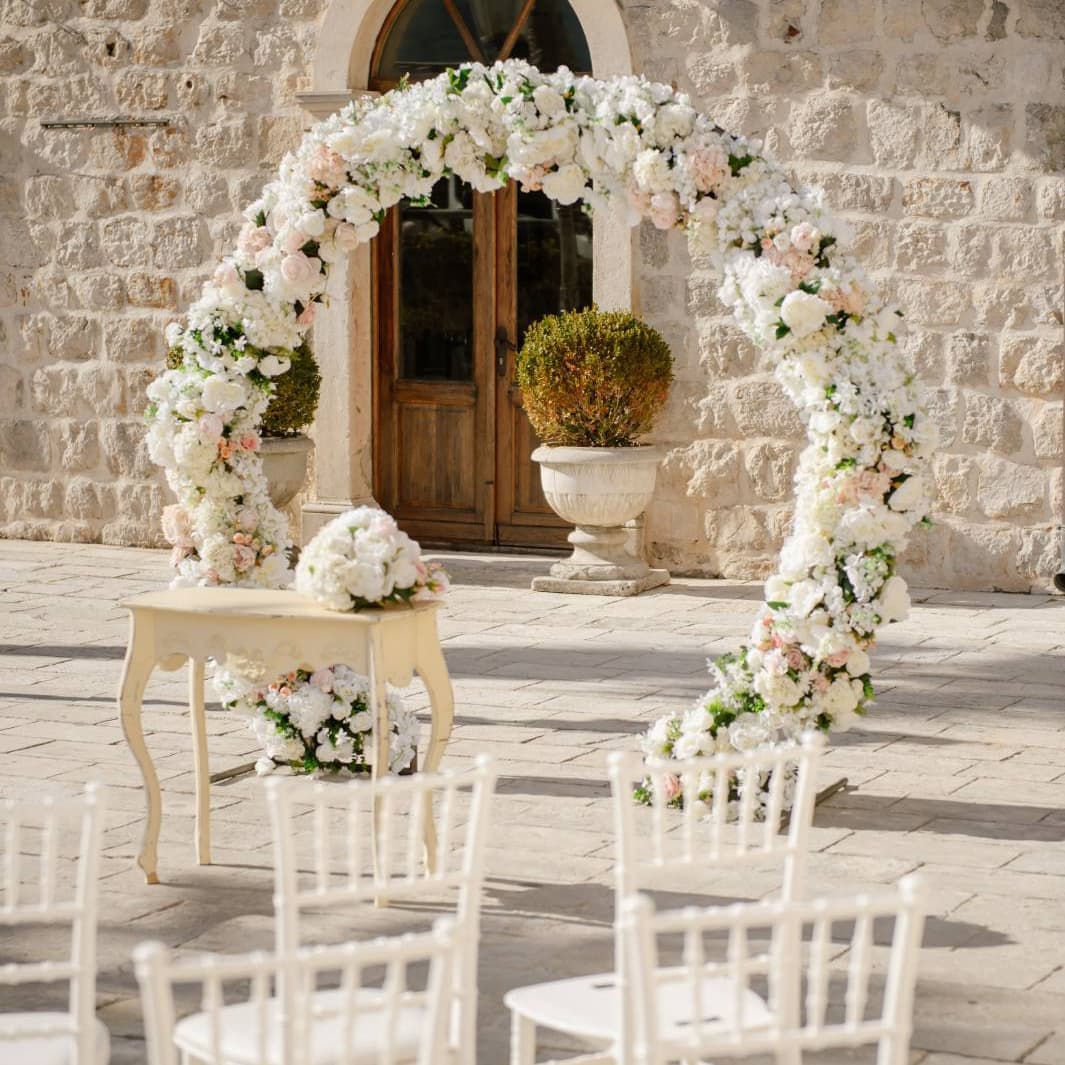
[457, 282]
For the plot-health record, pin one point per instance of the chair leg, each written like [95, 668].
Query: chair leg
[522, 1040]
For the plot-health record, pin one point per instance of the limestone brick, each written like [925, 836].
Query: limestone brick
[152, 192]
[920, 246]
[955, 481]
[1052, 199]
[762, 408]
[1046, 135]
[1008, 199]
[125, 241]
[151, 290]
[1047, 429]
[938, 197]
[845, 21]
[951, 19]
[822, 127]
[179, 241]
[894, 130]
[770, 469]
[24, 445]
[1033, 364]
[126, 451]
[1006, 489]
[969, 359]
[992, 422]
[970, 250]
[76, 445]
[129, 339]
[1042, 19]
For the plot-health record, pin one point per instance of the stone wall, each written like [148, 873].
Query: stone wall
[937, 127]
[108, 233]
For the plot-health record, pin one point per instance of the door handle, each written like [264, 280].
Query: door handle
[504, 346]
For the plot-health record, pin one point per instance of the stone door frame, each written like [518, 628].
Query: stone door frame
[343, 330]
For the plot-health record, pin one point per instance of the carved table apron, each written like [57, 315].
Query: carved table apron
[282, 630]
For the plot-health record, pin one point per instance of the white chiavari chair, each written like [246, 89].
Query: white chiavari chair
[777, 978]
[730, 821]
[50, 876]
[366, 844]
[354, 1004]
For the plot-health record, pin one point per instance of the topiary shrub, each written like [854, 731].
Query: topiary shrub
[593, 378]
[296, 391]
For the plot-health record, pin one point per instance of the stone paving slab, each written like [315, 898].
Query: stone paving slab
[958, 773]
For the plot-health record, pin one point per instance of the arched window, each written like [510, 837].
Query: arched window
[421, 38]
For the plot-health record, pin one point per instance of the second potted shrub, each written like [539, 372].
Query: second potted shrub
[285, 449]
[593, 383]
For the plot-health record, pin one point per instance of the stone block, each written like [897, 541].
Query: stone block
[1033, 364]
[76, 445]
[79, 246]
[301, 9]
[725, 352]
[126, 451]
[99, 196]
[1043, 19]
[43, 499]
[151, 290]
[943, 406]
[179, 242]
[72, 337]
[1007, 199]
[126, 241]
[152, 192]
[762, 408]
[84, 499]
[277, 46]
[225, 145]
[107, 47]
[850, 191]
[770, 469]
[920, 246]
[99, 291]
[823, 127]
[118, 149]
[12, 55]
[955, 480]
[855, 70]
[845, 21]
[765, 72]
[705, 408]
[709, 75]
[992, 422]
[12, 390]
[220, 44]
[952, 19]
[930, 302]
[140, 503]
[83, 391]
[1046, 136]
[970, 250]
[998, 305]
[191, 90]
[941, 143]
[169, 147]
[156, 44]
[894, 130]
[1023, 253]
[137, 381]
[1047, 431]
[24, 445]
[130, 339]
[923, 352]
[903, 19]
[969, 359]
[1052, 199]
[126, 10]
[921, 74]
[1008, 490]
[741, 529]
[137, 90]
[278, 135]
[938, 197]
[48, 196]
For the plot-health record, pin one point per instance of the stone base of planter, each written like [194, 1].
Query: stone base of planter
[652, 579]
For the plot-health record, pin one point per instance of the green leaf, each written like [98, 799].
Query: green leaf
[310, 249]
[782, 330]
[254, 280]
[260, 218]
[738, 163]
[776, 604]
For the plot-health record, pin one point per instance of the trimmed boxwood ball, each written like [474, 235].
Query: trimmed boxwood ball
[593, 378]
[296, 392]
[295, 396]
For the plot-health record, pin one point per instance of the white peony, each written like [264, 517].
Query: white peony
[221, 395]
[804, 313]
[893, 603]
[910, 494]
[565, 185]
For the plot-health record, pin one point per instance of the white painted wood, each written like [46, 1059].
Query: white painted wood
[347, 865]
[285, 630]
[707, 1007]
[40, 841]
[281, 1014]
[651, 844]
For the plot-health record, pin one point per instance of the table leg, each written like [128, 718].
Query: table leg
[198, 719]
[379, 769]
[136, 670]
[433, 670]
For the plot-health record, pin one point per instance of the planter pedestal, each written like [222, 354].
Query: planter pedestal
[599, 489]
[285, 466]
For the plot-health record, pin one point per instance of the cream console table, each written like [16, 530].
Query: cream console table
[282, 630]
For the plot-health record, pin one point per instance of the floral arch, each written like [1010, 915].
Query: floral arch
[859, 486]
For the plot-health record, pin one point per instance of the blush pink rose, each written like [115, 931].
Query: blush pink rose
[322, 679]
[663, 212]
[671, 786]
[804, 236]
[248, 520]
[176, 525]
[327, 168]
[210, 426]
[709, 166]
[249, 441]
[299, 270]
[306, 316]
[243, 557]
[346, 237]
[253, 239]
[838, 660]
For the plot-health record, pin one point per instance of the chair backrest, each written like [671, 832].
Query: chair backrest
[728, 950]
[399, 1021]
[348, 860]
[50, 875]
[724, 811]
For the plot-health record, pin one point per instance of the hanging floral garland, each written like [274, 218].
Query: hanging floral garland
[860, 488]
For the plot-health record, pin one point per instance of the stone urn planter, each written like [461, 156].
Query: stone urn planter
[285, 465]
[599, 489]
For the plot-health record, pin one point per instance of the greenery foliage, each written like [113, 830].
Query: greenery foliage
[593, 378]
[296, 391]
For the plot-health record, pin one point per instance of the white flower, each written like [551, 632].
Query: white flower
[804, 313]
[893, 603]
[221, 395]
[909, 494]
[566, 184]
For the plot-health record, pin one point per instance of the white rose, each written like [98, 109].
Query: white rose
[548, 100]
[565, 185]
[909, 494]
[272, 366]
[220, 395]
[776, 589]
[840, 701]
[857, 663]
[804, 313]
[779, 691]
[804, 596]
[893, 603]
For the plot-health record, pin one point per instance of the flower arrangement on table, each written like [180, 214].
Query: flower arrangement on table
[321, 722]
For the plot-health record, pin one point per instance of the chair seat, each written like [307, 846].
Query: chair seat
[589, 1006]
[239, 1037]
[48, 1049]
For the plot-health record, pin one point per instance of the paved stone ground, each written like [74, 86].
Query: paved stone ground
[959, 772]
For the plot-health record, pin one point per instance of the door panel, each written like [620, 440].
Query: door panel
[544, 252]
